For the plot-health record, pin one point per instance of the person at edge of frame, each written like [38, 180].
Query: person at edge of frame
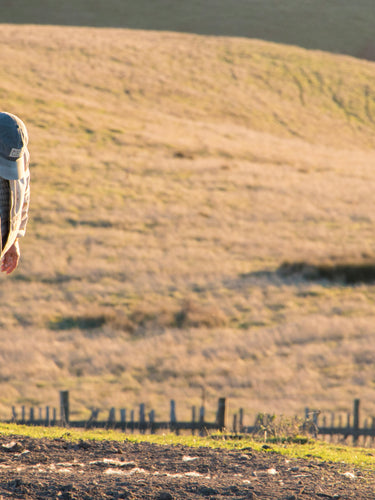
[14, 188]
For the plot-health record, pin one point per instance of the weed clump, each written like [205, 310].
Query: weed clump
[281, 429]
[192, 314]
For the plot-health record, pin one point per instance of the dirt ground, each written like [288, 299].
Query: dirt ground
[56, 469]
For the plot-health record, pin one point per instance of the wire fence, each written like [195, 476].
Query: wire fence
[314, 423]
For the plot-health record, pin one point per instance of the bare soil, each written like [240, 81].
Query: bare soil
[36, 469]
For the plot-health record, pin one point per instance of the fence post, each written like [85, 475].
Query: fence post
[193, 419]
[355, 421]
[332, 437]
[31, 415]
[221, 414]
[132, 421]
[172, 412]
[64, 407]
[92, 419]
[23, 414]
[14, 414]
[123, 418]
[172, 417]
[47, 416]
[235, 423]
[112, 417]
[142, 418]
[151, 417]
[315, 417]
[201, 421]
[366, 427]
[241, 420]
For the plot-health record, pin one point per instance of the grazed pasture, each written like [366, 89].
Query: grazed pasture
[189, 193]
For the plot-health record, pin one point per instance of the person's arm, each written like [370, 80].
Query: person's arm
[25, 207]
[10, 259]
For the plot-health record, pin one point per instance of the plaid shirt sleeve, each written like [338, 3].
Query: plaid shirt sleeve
[25, 206]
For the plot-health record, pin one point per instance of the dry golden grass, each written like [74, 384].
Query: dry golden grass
[173, 175]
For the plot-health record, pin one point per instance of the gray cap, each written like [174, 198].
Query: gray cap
[13, 147]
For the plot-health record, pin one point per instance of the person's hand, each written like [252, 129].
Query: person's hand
[10, 259]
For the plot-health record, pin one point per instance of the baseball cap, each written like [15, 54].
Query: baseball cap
[13, 147]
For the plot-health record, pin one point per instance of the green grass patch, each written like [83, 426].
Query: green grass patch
[312, 450]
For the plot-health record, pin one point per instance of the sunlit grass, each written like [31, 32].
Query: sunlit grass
[169, 187]
[325, 452]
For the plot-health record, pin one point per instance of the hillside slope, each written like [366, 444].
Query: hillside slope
[340, 26]
[173, 176]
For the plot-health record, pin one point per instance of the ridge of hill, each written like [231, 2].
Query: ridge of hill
[173, 177]
[339, 26]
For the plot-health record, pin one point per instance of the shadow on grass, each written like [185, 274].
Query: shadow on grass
[79, 322]
[50, 280]
[343, 273]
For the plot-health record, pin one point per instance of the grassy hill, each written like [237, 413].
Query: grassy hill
[196, 210]
[341, 26]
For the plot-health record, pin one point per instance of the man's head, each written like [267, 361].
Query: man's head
[13, 147]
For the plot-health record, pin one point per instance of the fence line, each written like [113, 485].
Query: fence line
[313, 424]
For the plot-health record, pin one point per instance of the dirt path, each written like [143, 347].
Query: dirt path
[56, 469]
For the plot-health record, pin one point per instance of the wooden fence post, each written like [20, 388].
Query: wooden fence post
[47, 416]
[151, 417]
[142, 418]
[366, 427]
[173, 417]
[31, 415]
[64, 407]
[332, 437]
[111, 417]
[193, 420]
[355, 421]
[92, 419]
[315, 417]
[201, 421]
[123, 418]
[132, 421]
[241, 420]
[221, 414]
[23, 414]
[235, 423]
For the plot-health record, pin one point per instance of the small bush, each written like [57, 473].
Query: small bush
[280, 429]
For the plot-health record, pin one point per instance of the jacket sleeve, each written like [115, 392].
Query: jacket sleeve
[25, 206]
